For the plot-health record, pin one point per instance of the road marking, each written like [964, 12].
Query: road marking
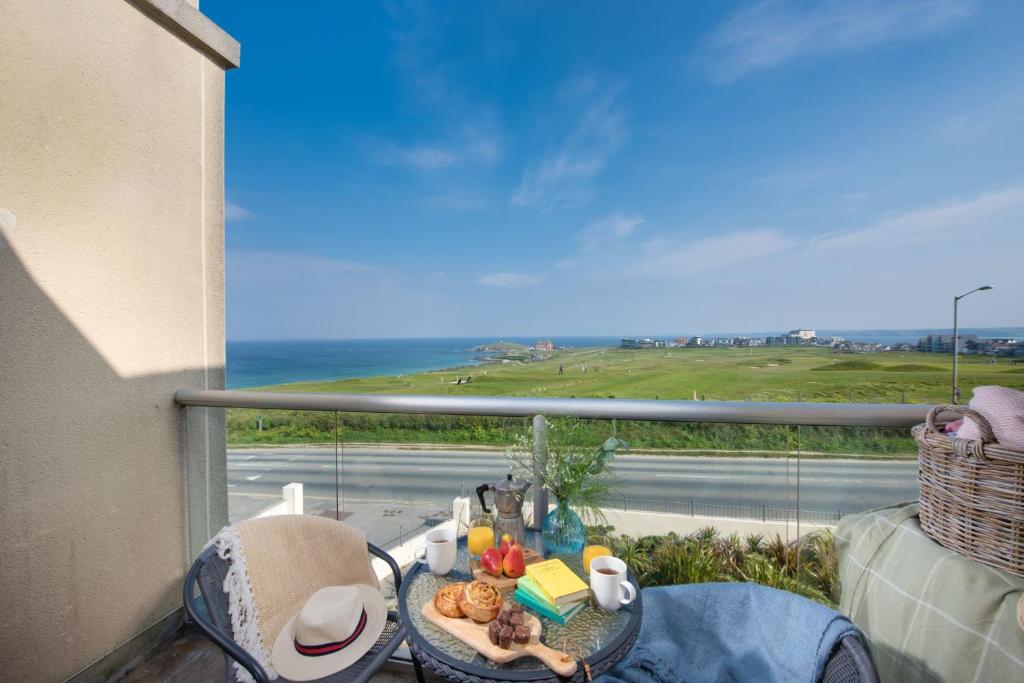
[697, 476]
[803, 480]
[456, 469]
[254, 477]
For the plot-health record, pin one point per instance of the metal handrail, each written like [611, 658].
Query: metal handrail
[809, 414]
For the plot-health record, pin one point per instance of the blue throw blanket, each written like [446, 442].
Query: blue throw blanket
[730, 632]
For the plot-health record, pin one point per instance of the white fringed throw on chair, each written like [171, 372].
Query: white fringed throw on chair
[276, 563]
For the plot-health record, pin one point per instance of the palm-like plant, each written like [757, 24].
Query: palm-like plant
[807, 567]
[754, 542]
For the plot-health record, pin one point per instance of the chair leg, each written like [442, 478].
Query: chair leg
[419, 668]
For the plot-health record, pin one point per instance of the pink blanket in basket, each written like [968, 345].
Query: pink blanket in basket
[1004, 410]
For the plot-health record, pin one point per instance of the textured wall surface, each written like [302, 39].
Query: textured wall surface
[111, 297]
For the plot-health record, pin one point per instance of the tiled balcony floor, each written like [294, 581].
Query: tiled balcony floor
[191, 658]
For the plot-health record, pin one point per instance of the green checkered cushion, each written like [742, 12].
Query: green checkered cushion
[929, 613]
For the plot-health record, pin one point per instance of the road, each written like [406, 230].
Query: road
[381, 475]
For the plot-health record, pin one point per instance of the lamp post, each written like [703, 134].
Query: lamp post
[956, 339]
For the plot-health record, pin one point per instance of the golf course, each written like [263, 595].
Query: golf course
[780, 374]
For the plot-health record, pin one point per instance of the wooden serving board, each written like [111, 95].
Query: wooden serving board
[475, 635]
[502, 583]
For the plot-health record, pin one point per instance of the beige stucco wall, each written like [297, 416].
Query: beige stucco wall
[111, 297]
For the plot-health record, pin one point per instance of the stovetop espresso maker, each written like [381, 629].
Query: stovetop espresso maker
[508, 500]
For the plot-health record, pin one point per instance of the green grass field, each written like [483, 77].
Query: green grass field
[723, 374]
[759, 374]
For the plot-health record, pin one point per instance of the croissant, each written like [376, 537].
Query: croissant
[446, 600]
[480, 601]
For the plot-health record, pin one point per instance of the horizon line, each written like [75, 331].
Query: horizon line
[499, 337]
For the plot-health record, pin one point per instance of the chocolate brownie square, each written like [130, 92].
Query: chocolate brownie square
[493, 629]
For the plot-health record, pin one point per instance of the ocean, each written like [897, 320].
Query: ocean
[262, 363]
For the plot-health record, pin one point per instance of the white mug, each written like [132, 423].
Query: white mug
[611, 590]
[439, 552]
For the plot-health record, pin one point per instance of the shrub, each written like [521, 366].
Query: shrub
[914, 367]
[807, 567]
[851, 365]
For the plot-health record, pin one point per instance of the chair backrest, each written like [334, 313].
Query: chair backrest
[211, 586]
[850, 663]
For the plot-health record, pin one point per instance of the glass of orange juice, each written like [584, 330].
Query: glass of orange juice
[592, 551]
[480, 536]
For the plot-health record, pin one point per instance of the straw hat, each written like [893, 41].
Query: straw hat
[336, 627]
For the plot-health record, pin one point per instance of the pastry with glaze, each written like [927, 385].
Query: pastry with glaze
[480, 601]
[446, 600]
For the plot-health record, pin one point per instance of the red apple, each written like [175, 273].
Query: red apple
[491, 561]
[506, 543]
[514, 563]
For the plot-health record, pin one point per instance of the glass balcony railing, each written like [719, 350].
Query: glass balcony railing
[750, 477]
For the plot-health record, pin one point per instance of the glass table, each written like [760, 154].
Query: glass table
[603, 638]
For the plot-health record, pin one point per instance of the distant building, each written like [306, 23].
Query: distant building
[544, 345]
[696, 341]
[679, 341]
[828, 341]
[943, 343]
[806, 335]
[645, 343]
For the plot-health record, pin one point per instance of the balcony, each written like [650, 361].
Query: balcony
[393, 465]
[396, 466]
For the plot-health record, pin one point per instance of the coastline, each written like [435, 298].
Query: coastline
[272, 364]
[452, 368]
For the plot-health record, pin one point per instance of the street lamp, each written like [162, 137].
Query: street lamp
[956, 339]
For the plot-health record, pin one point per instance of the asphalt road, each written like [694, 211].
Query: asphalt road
[432, 476]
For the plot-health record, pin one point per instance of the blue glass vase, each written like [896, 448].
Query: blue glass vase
[563, 531]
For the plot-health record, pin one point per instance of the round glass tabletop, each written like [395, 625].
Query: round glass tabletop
[594, 632]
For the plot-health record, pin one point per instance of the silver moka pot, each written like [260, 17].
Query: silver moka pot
[508, 501]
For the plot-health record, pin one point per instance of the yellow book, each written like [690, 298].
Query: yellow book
[557, 582]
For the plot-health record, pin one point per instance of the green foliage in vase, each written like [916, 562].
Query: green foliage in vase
[578, 476]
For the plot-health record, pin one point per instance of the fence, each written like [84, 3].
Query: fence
[404, 534]
[693, 508]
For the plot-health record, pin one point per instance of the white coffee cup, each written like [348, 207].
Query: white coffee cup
[439, 552]
[608, 581]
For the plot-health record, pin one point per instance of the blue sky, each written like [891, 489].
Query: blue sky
[571, 168]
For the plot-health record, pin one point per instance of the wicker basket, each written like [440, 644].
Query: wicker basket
[972, 492]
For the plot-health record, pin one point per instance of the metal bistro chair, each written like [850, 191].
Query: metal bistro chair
[209, 571]
[850, 663]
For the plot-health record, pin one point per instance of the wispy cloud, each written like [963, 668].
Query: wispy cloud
[769, 33]
[509, 280]
[422, 157]
[434, 86]
[839, 257]
[233, 212]
[616, 227]
[668, 258]
[472, 148]
[564, 177]
[996, 213]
